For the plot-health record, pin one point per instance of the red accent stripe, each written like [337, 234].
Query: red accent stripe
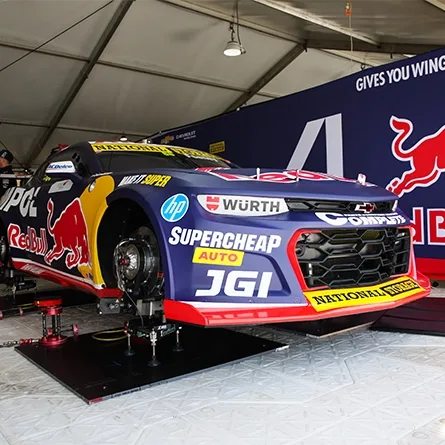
[291, 253]
[185, 313]
[66, 281]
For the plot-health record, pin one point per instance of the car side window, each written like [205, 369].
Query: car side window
[41, 177]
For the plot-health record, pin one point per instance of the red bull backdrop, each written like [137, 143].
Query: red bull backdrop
[386, 122]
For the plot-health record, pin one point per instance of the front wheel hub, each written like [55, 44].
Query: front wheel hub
[129, 261]
[137, 264]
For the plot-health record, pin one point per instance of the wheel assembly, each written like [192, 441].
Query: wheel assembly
[137, 264]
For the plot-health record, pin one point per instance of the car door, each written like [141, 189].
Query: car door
[62, 243]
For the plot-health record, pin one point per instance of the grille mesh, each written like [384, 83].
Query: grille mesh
[299, 205]
[353, 257]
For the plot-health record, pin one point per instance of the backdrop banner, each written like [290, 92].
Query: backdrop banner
[386, 122]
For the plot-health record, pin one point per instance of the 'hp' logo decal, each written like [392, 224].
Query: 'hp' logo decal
[175, 207]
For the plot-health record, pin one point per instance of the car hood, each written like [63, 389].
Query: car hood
[273, 183]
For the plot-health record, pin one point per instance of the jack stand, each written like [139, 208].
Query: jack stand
[153, 338]
[178, 347]
[51, 336]
[129, 351]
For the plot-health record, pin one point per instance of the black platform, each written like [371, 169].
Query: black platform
[97, 370]
[425, 316]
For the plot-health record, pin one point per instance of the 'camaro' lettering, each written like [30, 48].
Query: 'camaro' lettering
[224, 240]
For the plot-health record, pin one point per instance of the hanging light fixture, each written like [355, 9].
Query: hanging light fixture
[123, 138]
[233, 48]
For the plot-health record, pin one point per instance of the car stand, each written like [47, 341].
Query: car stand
[152, 332]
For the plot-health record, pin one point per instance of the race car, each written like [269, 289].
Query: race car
[191, 236]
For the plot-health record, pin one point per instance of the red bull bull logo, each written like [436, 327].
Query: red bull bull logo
[69, 232]
[426, 157]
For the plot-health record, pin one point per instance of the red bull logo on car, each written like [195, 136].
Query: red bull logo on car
[68, 231]
[426, 157]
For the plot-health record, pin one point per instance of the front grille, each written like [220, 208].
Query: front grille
[303, 205]
[352, 257]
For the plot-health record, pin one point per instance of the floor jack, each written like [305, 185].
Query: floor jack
[53, 336]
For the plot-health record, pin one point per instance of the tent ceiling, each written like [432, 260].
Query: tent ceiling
[164, 66]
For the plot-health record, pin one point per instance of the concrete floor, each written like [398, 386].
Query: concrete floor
[358, 387]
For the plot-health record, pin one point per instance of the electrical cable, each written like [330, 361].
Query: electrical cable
[97, 335]
[237, 25]
[55, 37]
[350, 30]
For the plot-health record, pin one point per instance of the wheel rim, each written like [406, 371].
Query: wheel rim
[137, 263]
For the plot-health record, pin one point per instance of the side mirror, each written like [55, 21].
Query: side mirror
[63, 170]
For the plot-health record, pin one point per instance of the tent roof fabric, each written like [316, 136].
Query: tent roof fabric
[163, 65]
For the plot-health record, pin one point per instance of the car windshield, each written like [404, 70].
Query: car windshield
[114, 161]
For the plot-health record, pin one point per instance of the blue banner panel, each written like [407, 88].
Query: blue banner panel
[386, 122]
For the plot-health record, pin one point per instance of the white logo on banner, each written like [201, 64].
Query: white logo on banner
[334, 144]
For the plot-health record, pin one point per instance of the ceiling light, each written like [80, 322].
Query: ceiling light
[123, 138]
[232, 49]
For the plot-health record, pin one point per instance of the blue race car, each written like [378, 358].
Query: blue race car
[195, 238]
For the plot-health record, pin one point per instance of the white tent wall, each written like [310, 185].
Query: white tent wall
[164, 66]
[157, 36]
[135, 102]
[18, 139]
[32, 22]
[318, 68]
[31, 89]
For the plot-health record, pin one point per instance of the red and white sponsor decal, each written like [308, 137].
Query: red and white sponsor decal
[234, 205]
[209, 169]
[285, 177]
[429, 226]
[68, 231]
[35, 270]
[212, 203]
[28, 240]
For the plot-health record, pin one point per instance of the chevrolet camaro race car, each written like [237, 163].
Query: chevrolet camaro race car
[191, 236]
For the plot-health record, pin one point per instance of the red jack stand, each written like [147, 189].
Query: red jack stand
[51, 307]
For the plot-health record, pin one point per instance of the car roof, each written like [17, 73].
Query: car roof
[109, 146]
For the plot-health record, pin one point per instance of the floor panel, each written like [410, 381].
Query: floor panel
[357, 387]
